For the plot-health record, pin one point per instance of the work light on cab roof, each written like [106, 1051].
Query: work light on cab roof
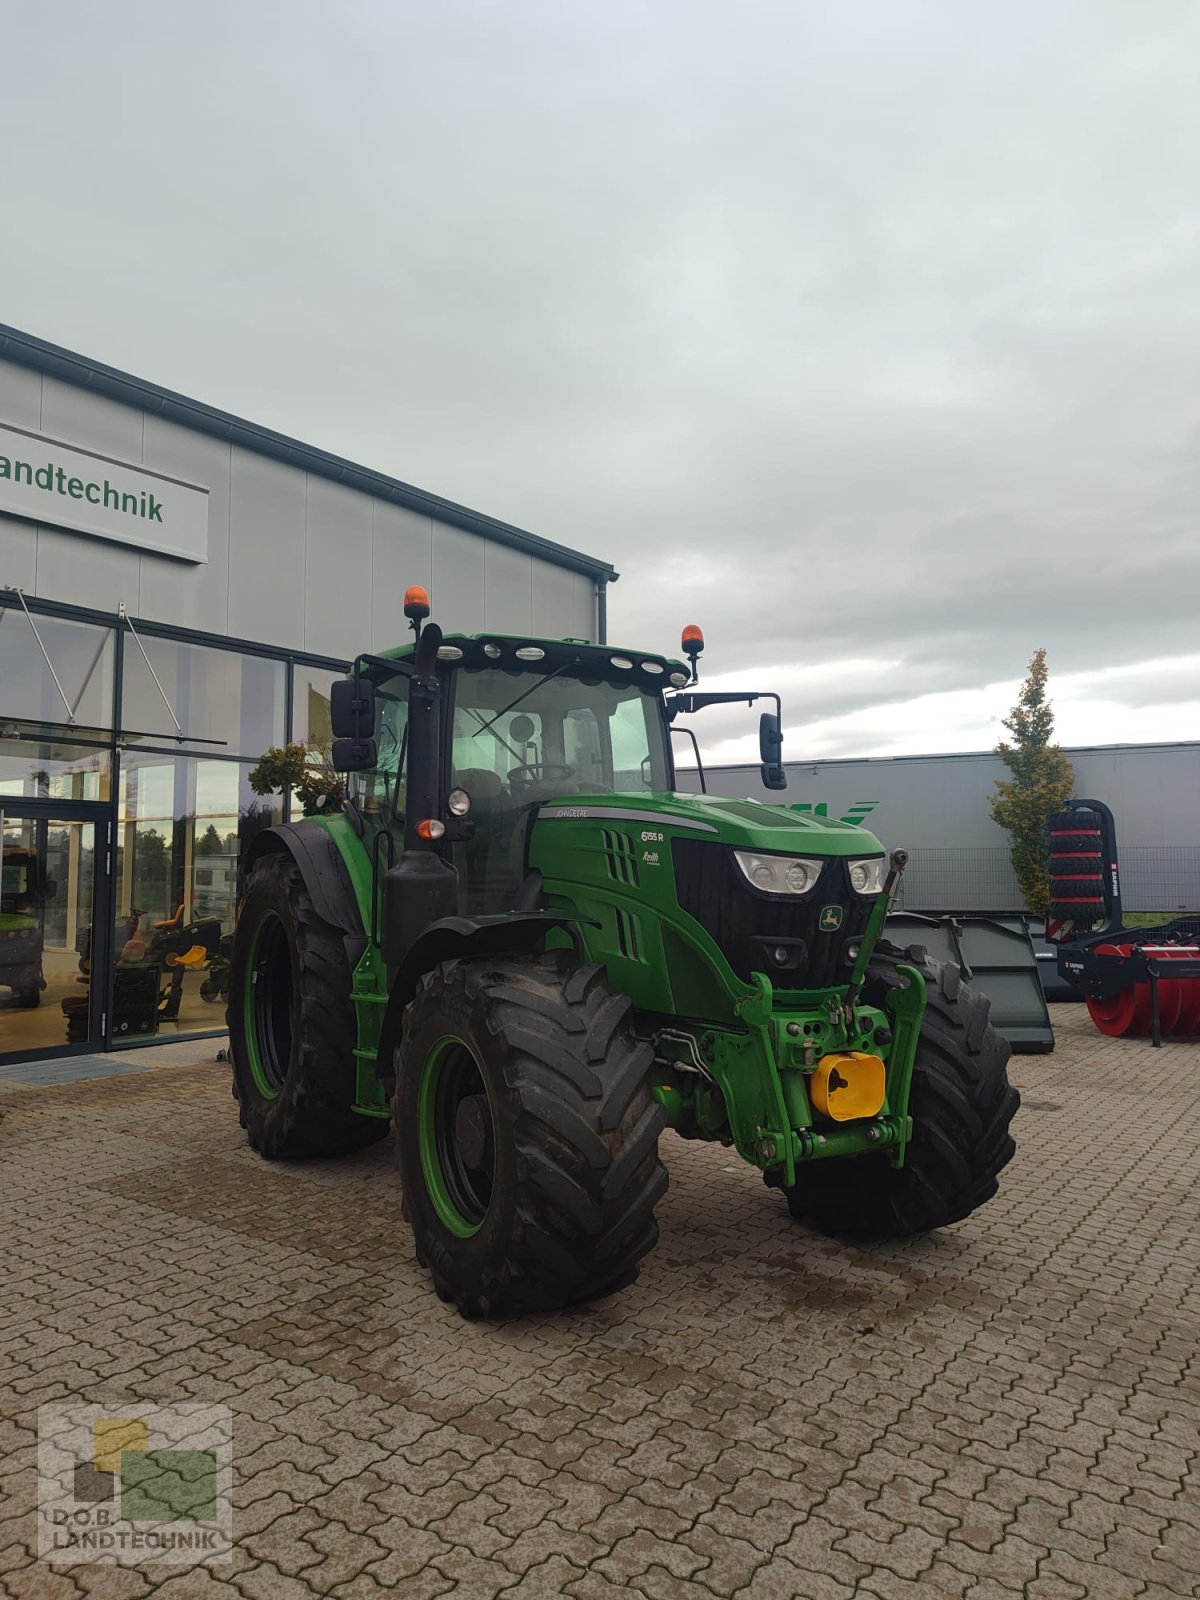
[691, 642]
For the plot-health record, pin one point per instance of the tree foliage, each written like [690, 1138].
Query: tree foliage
[304, 769]
[1041, 784]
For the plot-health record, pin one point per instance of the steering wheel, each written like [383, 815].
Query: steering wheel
[530, 772]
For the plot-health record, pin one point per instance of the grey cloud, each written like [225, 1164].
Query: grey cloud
[864, 330]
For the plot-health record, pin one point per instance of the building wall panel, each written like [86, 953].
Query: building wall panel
[20, 397]
[337, 571]
[175, 591]
[266, 550]
[87, 572]
[554, 600]
[508, 601]
[402, 545]
[18, 554]
[459, 580]
[586, 621]
[91, 421]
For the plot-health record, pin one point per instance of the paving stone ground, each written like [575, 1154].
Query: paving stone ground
[1009, 1408]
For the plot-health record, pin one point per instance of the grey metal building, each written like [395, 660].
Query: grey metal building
[937, 807]
[178, 587]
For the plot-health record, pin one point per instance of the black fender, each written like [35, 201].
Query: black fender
[324, 872]
[460, 939]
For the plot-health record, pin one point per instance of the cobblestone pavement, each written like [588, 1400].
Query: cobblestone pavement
[1008, 1408]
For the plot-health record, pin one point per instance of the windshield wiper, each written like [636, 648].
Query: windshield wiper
[524, 695]
[499, 737]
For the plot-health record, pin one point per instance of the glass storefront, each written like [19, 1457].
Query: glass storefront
[182, 823]
[231, 702]
[82, 657]
[123, 833]
[310, 706]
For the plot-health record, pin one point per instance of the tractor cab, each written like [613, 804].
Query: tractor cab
[516, 725]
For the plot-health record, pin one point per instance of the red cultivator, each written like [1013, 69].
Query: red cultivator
[1135, 980]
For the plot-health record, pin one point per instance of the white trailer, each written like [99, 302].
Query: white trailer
[937, 808]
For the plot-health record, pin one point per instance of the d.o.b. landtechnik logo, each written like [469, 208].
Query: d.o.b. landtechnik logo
[135, 1483]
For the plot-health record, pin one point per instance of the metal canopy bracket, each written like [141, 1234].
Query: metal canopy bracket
[123, 613]
[20, 594]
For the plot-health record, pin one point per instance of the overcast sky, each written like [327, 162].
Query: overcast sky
[867, 336]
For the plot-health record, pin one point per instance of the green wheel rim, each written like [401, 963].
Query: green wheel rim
[267, 1003]
[456, 1134]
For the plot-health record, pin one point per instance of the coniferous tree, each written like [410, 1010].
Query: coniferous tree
[1041, 784]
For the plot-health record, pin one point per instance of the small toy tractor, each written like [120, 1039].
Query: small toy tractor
[520, 947]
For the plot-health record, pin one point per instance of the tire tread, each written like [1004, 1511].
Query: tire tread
[584, 1126]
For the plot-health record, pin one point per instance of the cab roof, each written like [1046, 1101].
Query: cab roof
[504, 650]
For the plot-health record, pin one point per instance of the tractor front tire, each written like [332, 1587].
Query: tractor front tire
[961, 1103]
[291, 1023]
[526, 1134]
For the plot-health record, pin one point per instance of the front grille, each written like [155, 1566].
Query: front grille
[751, 927]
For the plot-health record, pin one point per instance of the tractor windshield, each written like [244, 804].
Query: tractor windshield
[518, 739]
[536, 737]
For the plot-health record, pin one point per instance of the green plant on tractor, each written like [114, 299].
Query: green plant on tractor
[301, 769]
[520, 948]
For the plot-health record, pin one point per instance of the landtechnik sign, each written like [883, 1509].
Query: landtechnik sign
[64, 487]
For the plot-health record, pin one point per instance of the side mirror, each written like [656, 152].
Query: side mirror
[352, 710]
[353, 755]
[770, 746]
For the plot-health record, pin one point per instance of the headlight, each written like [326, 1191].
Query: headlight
[866, 877]
[779, 874]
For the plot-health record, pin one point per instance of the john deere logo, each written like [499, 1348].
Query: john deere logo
[831, 919]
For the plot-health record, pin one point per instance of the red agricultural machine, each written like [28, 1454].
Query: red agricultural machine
[1136, 981]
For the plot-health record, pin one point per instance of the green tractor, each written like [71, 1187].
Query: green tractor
[520, 947]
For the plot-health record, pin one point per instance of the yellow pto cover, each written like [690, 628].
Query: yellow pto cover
[848, 1085]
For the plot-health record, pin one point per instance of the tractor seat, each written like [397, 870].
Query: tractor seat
[197, 956]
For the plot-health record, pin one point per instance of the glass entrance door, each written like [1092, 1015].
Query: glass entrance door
[53, 866]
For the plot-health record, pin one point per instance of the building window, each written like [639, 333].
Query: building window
[82, 658]
[37, 764]
[182, 825]
[232, 703]
[310, 705]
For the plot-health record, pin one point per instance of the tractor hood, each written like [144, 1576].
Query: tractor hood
[744, 823]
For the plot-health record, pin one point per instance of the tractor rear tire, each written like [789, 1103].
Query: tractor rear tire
[291, 1023]
[961, 1103]
[526, 1134]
